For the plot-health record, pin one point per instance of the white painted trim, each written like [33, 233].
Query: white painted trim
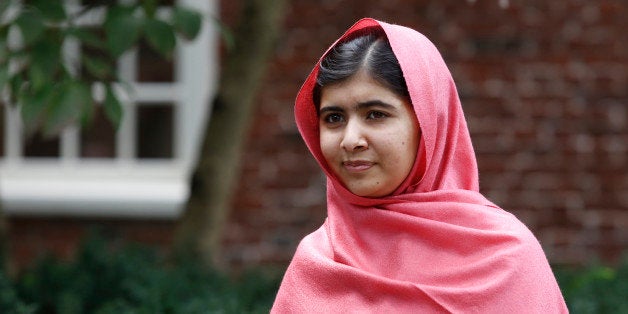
[194, 78]
[12, 133]
[101, 189]
[155, 92]
[90, 198]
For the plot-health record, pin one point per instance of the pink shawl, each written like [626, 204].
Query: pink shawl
[434, 245]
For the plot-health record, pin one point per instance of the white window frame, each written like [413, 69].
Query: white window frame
[123, 186]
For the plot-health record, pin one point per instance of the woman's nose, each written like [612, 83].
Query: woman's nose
[353, 137]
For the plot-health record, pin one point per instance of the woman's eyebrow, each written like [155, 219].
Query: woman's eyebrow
[375, 103]
[331, 109]
[359, 106]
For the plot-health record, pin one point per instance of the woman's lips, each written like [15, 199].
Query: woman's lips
[357, 165]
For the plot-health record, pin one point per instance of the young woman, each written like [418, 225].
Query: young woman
[407, 229]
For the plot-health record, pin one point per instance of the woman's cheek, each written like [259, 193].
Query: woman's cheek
[327, 147]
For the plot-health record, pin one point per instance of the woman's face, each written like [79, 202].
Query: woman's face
[369, 135]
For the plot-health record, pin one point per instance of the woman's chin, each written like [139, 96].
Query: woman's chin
[369, 191]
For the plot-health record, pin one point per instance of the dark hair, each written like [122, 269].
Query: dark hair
[370, 52]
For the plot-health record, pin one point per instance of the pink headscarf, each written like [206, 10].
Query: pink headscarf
[434, 245]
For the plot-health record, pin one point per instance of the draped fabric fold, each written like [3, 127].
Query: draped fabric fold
[434, 245]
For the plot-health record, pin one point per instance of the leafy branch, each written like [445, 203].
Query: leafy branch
[35, 76]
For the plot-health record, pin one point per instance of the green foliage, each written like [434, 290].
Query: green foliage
[31, 24]
[51, 93]
[123, 28]
[132, 279]
[187, 22]
[106, 277]
[10, 302]
[160, 36]
[113, 107]
[595, 289]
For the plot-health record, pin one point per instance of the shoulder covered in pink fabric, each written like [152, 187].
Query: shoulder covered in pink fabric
[434, 245]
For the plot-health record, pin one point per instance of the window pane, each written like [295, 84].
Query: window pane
[98, 140]
[153, 67]
[155, 131]
[38, 145]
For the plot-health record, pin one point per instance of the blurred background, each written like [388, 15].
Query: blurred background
[544, 86]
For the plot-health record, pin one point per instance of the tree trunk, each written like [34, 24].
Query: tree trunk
[199, 232]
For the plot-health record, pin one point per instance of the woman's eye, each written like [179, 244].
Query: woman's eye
[375, 115]
[333, 118]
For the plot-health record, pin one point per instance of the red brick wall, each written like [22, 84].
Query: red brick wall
[545, 90]
[32, 238]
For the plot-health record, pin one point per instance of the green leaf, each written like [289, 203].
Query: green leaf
[31, 25]
[33, 106]
[122, 29]
[187, 22]
[150, 7]
[4, 51]
[45, 60]
[4, 5]
[97, 67]
[71, 102]
[113, 107]
[87, 37]
[15, 86]
[160, 36]
[225, 33]
[4, 36]
[4, 75]
[51, 10]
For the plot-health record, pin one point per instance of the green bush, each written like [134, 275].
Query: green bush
[132, 279]
[136, 279]
[595, 289]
